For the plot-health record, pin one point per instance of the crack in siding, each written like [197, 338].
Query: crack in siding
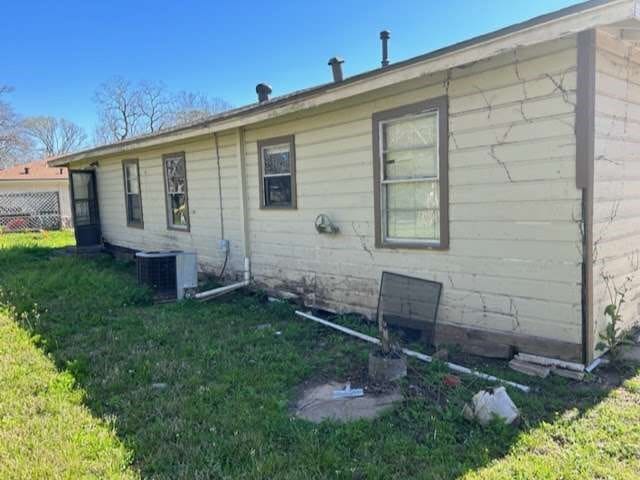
[524, 115]
[559, 87]
[484, 304]
[451, 281]
[577, 219]
[492, 154]
[523, 83]
[452, 137]
[505, 135]
[604, 158]
[604, 230]
[518, 76]
[514, 312]
[363, 241]
[486, 101]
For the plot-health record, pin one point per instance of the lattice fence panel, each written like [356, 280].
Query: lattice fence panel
[29, 211]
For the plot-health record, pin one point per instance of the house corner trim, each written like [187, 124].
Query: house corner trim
[585, 160]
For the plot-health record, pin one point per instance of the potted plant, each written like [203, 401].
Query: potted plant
[386, 363]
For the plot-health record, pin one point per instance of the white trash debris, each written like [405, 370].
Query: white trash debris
[348, 392]
[486, 405]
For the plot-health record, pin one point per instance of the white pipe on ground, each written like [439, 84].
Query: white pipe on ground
[592, 366]
[217, 292]
[412, 353]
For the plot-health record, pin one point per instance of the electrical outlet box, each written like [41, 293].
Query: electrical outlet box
[223, 246]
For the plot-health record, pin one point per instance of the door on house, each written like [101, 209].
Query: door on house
[84, 202]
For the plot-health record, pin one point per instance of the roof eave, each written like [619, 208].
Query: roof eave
[547, 27]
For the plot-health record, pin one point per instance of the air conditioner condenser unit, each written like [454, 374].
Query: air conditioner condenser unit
[171, 274]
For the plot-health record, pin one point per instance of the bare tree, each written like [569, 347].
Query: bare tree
[54, 136]
[126, 110]
[15, 147]
[154, 105]
[190, 107]
[119, 110]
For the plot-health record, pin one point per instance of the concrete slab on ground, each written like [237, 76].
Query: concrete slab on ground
[317, 404]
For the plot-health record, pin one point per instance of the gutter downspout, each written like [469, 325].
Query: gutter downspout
[220, 205]
[242, 184]
[242, 179]
[221, 208]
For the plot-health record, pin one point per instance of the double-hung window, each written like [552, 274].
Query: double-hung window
[411, 175]
[175, 184]
[132, 195]
[277, 173]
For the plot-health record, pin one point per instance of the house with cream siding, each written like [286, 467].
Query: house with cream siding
[505, 167]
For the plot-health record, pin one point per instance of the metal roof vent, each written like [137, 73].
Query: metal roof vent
[263, 90]
[384, 36]
[336, 68]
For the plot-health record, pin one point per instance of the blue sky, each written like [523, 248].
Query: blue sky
[55, 54]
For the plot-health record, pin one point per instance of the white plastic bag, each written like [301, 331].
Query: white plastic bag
[489, 404]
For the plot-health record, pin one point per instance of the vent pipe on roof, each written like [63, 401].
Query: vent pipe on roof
[384, 36]
[336, 68]
[263, 90]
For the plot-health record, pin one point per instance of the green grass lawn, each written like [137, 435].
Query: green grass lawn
[82, 351]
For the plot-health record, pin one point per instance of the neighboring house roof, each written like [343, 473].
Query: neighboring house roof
[38, 170]
[564, 22]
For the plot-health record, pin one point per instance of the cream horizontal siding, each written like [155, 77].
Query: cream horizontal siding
[514, 260]
[203, 198]
[617, 177]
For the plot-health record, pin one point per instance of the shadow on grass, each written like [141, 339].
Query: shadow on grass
[196, 390]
